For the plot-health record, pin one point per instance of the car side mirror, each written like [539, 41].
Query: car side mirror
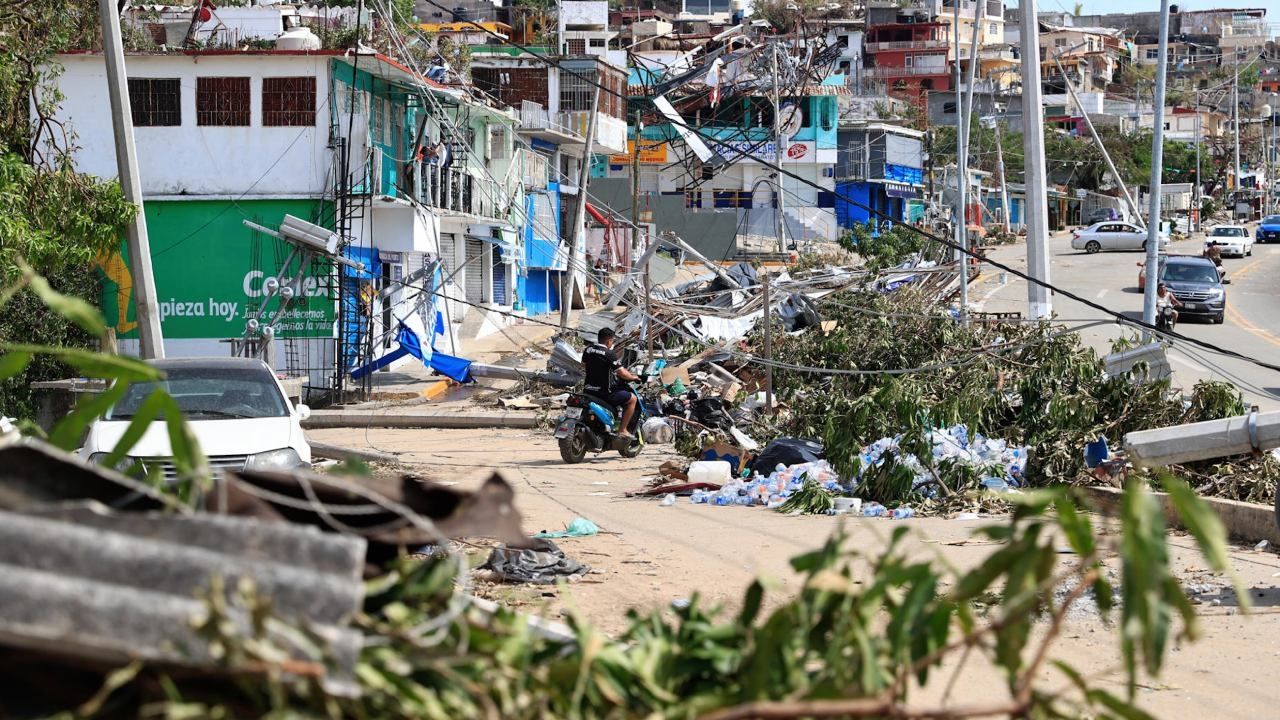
[304, 411]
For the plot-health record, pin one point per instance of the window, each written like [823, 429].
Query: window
[992, 28]
[732, 198]
[288, 101]
[908, 61]
[155, 102]
[575, 91]
[1166, 126]
[497, 142]
[842, 41]
[949, 108]
[222, 101]
[692, 199]
[576, 46]
[1153, 53]
[597, 43]
[1059, 42]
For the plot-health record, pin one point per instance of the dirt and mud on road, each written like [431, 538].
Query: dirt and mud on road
[649, 556]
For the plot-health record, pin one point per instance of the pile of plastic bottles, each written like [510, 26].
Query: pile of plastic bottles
[770, 491]
[1003, 465]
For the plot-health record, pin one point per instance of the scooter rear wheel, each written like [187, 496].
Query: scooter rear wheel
[574, 447]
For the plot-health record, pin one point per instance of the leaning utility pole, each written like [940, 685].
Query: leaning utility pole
[962, 159]
[1039, 304]
[144, 289]
[1004, 182]
[580, 217]
[1157, 169]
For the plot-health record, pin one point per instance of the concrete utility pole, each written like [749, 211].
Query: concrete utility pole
[1204, 440]
[580, 216]
[962, 161]
[1195, 193]
[144, 289]
[1235, 124]
[1039, 304]
[778, 151]
[1157, 170]
[768, 341]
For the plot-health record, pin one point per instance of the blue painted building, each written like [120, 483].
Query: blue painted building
[879, 171]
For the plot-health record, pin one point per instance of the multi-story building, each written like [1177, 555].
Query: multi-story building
[906, 52]
[331, 137]
[553, 103]
[880, 168]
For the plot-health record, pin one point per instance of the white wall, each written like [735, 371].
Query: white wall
[254, 161]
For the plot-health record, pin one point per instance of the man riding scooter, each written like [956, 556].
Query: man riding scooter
[1166, 315]
[600, 365]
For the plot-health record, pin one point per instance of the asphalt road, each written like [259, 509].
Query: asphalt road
[1252, 325]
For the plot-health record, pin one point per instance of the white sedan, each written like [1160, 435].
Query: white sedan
[1231, 240]
[1112, 235]
[235, 407]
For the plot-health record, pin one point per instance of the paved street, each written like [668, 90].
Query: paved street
[1252, 324]
[648, 555]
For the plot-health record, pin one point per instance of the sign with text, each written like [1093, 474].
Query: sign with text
[650, 154]
[210, 270]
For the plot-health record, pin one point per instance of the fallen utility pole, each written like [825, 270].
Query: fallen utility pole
[144, 289]
[1157, 168]
[1204, 440]
[1039, 305]
[580, 216]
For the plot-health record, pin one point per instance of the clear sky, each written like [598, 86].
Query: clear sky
[1098, 7]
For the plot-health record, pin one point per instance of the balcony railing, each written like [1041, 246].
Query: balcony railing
[535, 117]
[509, 50]
[893, 72]
[908, 45]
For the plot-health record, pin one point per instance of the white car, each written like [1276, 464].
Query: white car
[1112, 235]
[235, 407]
[1231, 240]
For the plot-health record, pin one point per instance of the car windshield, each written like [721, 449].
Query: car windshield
[1197, 273]
[1271, 220]
[205, 393]
[1228, 232]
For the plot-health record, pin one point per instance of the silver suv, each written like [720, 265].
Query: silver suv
[1197, 285]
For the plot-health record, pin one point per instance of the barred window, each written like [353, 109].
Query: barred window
[155, 102]
[576, 91]
[288, 101]
[577, 46]
[222, 101]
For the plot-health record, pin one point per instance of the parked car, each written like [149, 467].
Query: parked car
[1196, 284]
[1112, 236]
[1231, 240]
[235, 407]
[1269, 230]
[1104, 214]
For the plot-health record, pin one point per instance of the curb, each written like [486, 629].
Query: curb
[438, 420]
[1247, 522]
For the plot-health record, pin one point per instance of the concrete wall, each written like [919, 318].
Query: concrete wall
[711, 232]
[254, 161]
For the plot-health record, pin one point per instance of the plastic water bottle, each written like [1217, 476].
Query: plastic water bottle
[903, 513]
[723, 500]
[873, 510]
[995, 485]
[699, 497]
[668, 500]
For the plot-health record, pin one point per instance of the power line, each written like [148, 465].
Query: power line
[880, 215]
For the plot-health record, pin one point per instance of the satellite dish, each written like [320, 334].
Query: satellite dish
[791, 119]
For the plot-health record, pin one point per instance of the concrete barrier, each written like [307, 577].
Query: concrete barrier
[1246, 522]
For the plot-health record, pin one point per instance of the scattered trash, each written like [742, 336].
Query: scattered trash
[903, 513]
[658, 431]
[542, 564]
[1262, 545]
[668, 500]
[849, 505]
[966, 516]
[874, 509]
[1002, 465]
[578, 527]
[710, 471]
